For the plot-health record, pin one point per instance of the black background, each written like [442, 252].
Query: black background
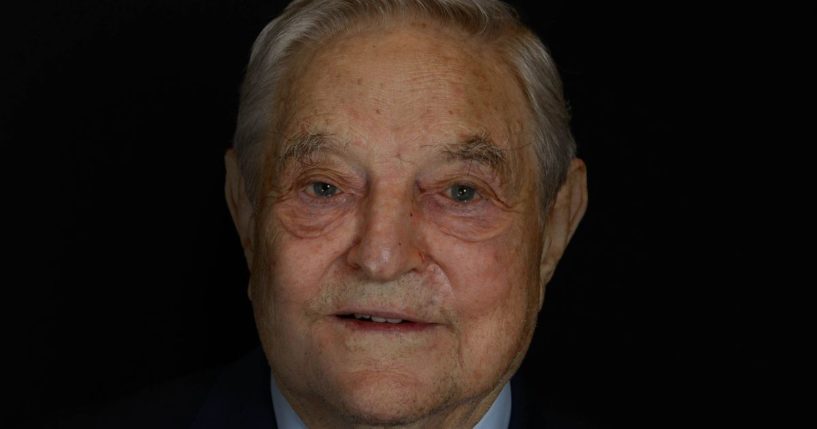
[122, 269]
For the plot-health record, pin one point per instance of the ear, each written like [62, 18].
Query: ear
[241, 209]
[562, 220]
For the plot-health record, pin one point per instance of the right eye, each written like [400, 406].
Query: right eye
[322, 190]
[462, 193]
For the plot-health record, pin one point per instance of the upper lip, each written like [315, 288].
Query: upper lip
[385, 314]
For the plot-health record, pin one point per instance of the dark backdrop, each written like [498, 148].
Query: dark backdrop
[122, 269]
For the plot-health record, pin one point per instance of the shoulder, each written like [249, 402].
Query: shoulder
[532, 408]
[237, 395]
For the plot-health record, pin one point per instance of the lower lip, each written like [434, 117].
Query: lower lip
[367, 326]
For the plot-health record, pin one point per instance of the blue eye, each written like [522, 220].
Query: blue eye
[324, 190]
[462, 193]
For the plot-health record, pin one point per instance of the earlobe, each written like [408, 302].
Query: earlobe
[241, 209]
[545, 272]
[577, 180]
[564, 216]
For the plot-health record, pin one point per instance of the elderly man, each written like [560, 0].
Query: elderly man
[403, 181]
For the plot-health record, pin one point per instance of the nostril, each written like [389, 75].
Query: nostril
[382, 253]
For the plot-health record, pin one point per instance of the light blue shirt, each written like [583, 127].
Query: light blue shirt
[497, 417]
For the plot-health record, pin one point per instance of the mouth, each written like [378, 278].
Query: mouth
[381, 322]
[375, 319]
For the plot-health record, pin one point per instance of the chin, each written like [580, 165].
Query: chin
[389, 399]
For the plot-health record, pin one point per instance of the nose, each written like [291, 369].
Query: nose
[387, 243]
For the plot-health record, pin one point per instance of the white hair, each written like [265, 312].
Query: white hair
[306, 23]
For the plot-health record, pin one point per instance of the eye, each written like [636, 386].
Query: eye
[323, 189]
[462, 193]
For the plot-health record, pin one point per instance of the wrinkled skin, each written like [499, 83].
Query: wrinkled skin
[382, 219]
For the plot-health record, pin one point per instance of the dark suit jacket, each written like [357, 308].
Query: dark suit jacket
[238, 396]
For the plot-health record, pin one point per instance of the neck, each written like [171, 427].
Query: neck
[321, 414]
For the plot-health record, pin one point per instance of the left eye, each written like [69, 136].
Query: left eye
[324, 190]
[462, 193]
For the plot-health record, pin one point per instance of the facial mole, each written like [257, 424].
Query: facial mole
[377, 111]
[360, 81]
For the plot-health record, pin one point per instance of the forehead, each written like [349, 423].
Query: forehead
[410, 81]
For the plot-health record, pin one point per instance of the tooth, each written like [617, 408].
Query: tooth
[394, 320]
[378, 319]
[362, 316]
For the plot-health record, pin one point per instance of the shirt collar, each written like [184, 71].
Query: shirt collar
[498, 416]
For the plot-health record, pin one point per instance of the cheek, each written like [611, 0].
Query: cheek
[491, 301]
[297, 266]
[491, 280]
[493, 277]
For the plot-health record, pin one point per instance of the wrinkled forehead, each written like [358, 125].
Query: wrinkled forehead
[411, 66]
[414, 82]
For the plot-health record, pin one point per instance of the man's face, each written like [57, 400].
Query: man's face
[395, 264]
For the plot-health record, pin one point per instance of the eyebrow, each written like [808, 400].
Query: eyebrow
[480, 148]
[304, 146]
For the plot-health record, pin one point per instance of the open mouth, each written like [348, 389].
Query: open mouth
[380, 322]
[373, 319]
